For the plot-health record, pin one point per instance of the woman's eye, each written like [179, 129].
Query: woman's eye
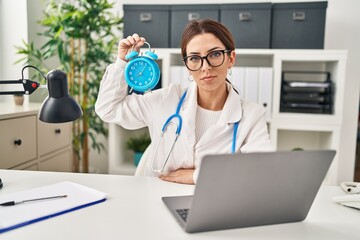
[215, 54]
[194, 58]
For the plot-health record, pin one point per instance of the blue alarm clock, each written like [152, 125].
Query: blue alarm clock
[142, 72]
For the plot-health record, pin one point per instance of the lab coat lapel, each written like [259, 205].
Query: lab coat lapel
[189, 114]
[231, 113]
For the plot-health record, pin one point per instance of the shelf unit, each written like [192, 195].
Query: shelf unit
[287, 130]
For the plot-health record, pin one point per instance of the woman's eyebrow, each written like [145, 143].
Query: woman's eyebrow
[210, 50]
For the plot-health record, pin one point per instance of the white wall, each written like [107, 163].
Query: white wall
[343, 32]
[13, 28]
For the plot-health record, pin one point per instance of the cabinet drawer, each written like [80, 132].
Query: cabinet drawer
[53, 136]
[60, 162]
[181, 15]
[31, 166]
[17, 141]
[298, 25]
[249, 23]
[149, 21]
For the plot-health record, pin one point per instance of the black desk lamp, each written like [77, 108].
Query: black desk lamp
[58, 107]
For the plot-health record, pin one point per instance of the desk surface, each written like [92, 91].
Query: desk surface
[134, 210]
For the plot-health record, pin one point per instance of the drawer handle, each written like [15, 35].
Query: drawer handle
[245, 16]
[145, 17]
[193, 16]
[298, 16]
[17, 142]
[58, 131]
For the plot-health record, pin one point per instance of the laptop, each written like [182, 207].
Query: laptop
[251, 189]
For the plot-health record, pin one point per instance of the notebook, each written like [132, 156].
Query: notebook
[253, 189]
[78, 196]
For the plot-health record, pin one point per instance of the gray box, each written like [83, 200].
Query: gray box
[181, 15]
[298, 25]
[249, 23]
[149, 21]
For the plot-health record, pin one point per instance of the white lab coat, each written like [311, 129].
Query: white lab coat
[152, 109]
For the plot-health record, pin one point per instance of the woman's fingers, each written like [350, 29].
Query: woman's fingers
[184, 176]
[132, 42]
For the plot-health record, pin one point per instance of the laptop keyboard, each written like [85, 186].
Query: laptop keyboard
[183, 213]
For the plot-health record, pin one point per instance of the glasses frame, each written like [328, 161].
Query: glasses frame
[206, 58]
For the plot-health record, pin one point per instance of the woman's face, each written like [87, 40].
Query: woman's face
[209, 78]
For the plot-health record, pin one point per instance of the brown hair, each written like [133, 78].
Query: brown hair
[202, 26]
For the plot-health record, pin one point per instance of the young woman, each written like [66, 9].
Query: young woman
[215, 120]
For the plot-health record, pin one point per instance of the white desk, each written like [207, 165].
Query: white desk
[134, 210]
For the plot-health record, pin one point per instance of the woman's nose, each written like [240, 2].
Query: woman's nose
[205, 65]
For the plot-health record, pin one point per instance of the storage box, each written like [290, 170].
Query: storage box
[149, 21]
[298, 25]
[181, 15]
[249, 23]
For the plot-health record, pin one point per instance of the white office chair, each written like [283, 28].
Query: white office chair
[140, 170]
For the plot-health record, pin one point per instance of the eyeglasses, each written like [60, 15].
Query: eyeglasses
[214, 59]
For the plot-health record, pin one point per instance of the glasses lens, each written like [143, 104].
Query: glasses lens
[214, 59]
[193, 62]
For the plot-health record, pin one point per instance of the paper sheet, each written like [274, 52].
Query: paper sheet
[78, 196]
[352, 200]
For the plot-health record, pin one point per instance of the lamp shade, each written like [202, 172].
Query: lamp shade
[59, 107]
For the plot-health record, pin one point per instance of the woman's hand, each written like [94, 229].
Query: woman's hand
[126, 45]
[183, 175]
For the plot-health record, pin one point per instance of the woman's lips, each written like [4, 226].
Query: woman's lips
[207, 78]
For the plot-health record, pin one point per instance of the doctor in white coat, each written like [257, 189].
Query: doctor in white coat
[215, 120]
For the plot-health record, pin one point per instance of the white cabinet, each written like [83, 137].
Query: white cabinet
[27, 143]
[287, 130]
[18, 141]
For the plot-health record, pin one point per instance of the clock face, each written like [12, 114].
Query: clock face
[142, 74]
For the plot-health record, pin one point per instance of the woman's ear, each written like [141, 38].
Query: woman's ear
[232, 58]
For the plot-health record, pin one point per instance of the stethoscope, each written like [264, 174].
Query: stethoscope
[351, 187]
[169, 121]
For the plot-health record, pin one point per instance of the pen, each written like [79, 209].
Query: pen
[12, 203]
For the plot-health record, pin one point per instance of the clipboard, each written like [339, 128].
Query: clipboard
[78, 196]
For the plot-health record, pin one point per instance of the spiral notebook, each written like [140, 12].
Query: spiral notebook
[19, 215]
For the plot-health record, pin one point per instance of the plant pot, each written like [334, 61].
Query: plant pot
[137, 157]
[19, 100]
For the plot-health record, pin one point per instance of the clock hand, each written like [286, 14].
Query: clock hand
[142, 70]
[138, 71]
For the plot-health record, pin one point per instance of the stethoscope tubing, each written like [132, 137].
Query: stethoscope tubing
[233, 146]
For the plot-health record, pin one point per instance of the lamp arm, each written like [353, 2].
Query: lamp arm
[29, 86]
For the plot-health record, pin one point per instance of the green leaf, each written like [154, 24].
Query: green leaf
[139, 144]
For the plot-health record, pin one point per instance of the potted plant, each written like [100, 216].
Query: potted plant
[82, 36]
[138, 145]
[19, 99]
